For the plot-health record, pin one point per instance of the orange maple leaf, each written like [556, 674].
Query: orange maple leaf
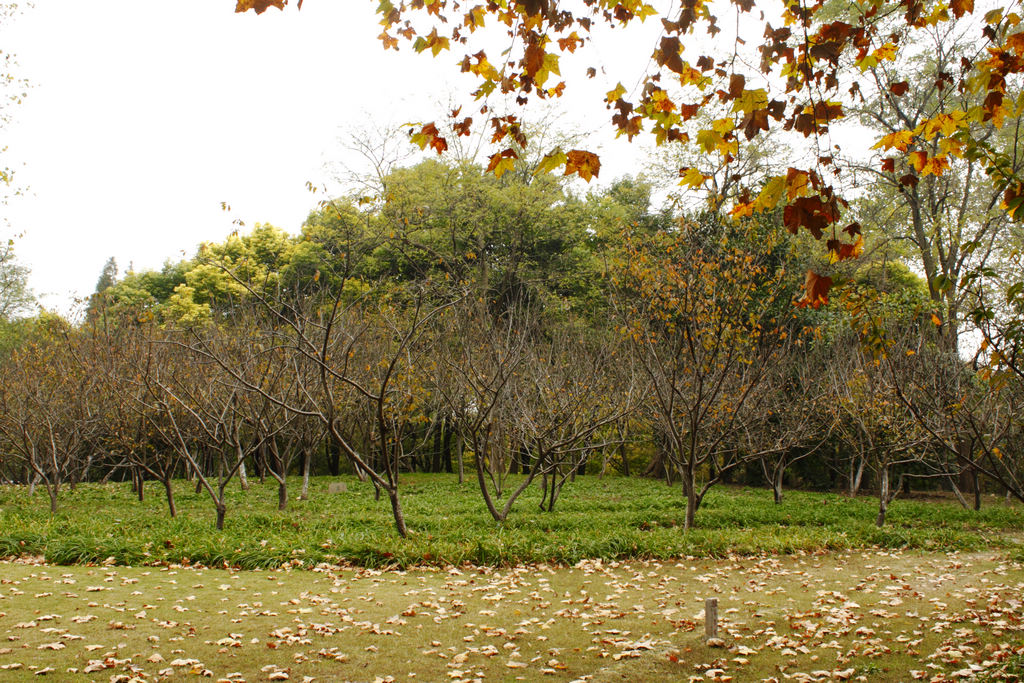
[586, 164]
[816, 288]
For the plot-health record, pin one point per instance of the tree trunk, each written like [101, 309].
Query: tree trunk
[282, 495]
[333, 457]
[221, 511]
[481, 479]
[435, 465]
[459, 448]
[883, 496]
[396, 510]
[169, 492]
[446, 446]
[307, 459]
[690, 491]
[856, 476]
[956, 492]
[777, 477]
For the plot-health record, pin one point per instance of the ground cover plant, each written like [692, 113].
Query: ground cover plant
[609, 518]
[858, 615]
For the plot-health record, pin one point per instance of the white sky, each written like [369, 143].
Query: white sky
[144, 116]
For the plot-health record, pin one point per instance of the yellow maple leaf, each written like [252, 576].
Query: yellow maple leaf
[692, 177]
[750, 100]
[900, 140]
[770, 194]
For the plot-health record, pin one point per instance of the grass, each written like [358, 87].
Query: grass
[611, 518]
[870, 615]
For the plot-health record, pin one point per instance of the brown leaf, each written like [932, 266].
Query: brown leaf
[736, 85]
[899, 89]
[816, 288]
[668, 54]
[962, 7]
[533, 59]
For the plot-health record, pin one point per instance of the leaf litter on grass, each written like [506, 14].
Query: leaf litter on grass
[868, 615]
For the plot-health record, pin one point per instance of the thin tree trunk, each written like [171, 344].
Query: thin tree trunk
[169, 491]
[883, 496]
[956, 492]
[396, 511]
[856, 476]
[459, 447]
[690, 490]
[307, 459]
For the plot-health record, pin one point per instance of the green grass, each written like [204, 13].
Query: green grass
[611, 518]
[877, 614]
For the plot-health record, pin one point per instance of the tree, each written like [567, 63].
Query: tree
[15, 295]
[942, 204]
[799, 76]
[700, 315]
[48, 407]
[108, 276]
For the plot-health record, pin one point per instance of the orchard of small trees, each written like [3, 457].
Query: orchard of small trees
[512, 333]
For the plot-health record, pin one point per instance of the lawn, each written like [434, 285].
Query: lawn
[869, 615]
[608, 587]
[610, 519]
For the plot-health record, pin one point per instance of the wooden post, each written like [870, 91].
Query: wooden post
[710, 618]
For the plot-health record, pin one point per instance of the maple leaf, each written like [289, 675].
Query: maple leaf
[770, 194]
[797, 182]
[811, 213]
[586, 164]
[751, 100]
[260, 6]
[962, 7]
[434, 42]
[754, 122]
[428, 135]
[736, 84]
[691, 177]
[841, 251]
[900, 140]
[816, 288]
[667, 54]
[926, 165]
[533, 58]
[503, 161]
[899, 89]
[550, 162]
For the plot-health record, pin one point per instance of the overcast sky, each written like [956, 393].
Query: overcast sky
[144, 116]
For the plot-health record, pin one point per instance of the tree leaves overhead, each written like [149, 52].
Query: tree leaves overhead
[810, 72]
